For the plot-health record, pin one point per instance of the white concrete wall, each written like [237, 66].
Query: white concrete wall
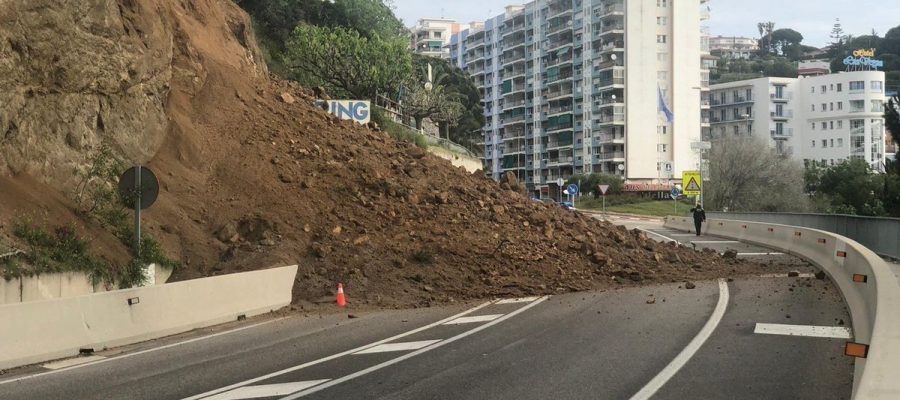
[641, 67]
[59, 285]
[685, 99]
[44, 330]
[873, 304]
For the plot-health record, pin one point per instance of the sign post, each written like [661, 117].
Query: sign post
[603, 190]
[675, 193]
[138, 189]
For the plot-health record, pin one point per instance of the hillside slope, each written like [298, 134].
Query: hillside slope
[253, 175]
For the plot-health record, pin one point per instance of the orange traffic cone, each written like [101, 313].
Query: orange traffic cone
[341, 301]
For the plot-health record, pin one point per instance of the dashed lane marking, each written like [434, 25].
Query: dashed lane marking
[402, 346]
[477, 318]
[520, 300]
[260, 391]
[415, 353]
[836, 332]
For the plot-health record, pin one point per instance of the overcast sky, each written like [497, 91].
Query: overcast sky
[812, 18]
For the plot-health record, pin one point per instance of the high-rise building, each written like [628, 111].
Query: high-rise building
[430, 36]
[577, 86]
[823, 119]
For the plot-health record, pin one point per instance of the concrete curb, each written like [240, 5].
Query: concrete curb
[872, 303]
[39, 331]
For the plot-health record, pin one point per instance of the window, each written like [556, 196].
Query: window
[661, 3]
[813, 126]
[831, 125]
[662, 148]
[857, 123]
[812, 89]
[831, 87]
[749, 94]
[840, 104]
[661, 21]
[824, 143]
[877, 106]
[877, 86]
[840, 124]
[832, 161]
[736, 131]
[662, 57]
[830, 106]
[824, 108]
[840, 142]
[812, 107]
[660, 39]
[437, 34]
[824, 125]
[857, 86]
[824, 89]
[857, 105]
[813, 143]
[840, 87]
[779, 110]
[779, 128]
[831, 142]
[736, 113]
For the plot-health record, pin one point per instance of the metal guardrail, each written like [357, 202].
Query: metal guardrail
[881, 235]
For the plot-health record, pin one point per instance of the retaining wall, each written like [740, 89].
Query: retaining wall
[874, 304]
[38, 331]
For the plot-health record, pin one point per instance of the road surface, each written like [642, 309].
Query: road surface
[660, 342]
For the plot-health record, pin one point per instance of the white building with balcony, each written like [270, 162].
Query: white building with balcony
[431, 36]
[822, 119]
[572, 86]
[733, 47]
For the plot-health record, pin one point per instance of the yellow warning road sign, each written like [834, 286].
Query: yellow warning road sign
[691, 182]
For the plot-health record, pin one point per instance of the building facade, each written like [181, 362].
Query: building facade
[574, 86]
[733, 47]
[820, 120]
[431, 36]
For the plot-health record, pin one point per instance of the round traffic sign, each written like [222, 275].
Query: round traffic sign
[573, 189]
[148, 190]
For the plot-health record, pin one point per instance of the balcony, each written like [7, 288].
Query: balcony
[559, 110]
[560, 61]
[555, 162]
[782, 115]
[567, 91]
[784, 133]
[555, 128]
[612, 9]
[610, 82]
[784, 96]
[509, 105]
[612, 28]
[609, 156]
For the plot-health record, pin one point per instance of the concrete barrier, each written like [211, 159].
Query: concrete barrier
[881, 235]
[44, 330]
[873, 303]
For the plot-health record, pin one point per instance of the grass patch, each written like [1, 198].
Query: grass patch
[656, 208]
[423, 257]
[61, 250]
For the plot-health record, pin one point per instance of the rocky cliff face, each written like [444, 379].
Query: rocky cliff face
[75, 74]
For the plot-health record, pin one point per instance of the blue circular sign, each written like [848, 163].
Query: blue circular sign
[675, 192]
[573, 189]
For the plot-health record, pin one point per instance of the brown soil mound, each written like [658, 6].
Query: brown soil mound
[251, 181]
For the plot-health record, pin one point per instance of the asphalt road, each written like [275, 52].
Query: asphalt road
[660, 342]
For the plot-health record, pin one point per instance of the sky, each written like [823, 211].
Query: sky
[812, 18]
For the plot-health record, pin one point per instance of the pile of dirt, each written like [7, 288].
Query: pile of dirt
[253, 175]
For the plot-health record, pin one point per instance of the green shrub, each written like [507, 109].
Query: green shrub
[423, 256]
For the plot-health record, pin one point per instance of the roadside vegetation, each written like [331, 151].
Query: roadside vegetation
[50, 247]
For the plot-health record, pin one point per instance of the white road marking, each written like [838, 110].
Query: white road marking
[803, 275]
[255, 392]
[684, 234]
[836, 332]
[415, 353]
[670, 370]
[714, 241]
[72, 362]
[761, 254]
[520, 300]
[168, 346]
[402, 346]
[333, 356]
[477, 318]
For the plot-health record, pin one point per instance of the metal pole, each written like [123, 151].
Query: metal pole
[137, 212]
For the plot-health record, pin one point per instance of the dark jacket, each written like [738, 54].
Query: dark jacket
[699, 214]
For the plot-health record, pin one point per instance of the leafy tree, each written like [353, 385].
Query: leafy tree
[459, 84]
[849, 188]
[786, 42]
[345, 62]
[892, 118]
[746, 174]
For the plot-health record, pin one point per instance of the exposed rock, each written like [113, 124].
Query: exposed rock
[689, 285]
[286, 98]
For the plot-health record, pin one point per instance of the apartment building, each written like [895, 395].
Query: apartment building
[822, 119]
[574, 86]
[431, 36]
[733, 47]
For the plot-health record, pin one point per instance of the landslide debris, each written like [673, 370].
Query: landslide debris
[253, 175]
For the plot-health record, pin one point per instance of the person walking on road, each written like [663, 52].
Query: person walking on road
[699, 217]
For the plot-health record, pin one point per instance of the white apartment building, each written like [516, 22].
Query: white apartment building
[431, 36]
[573, 86]
[822, 119]
[734, 47]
